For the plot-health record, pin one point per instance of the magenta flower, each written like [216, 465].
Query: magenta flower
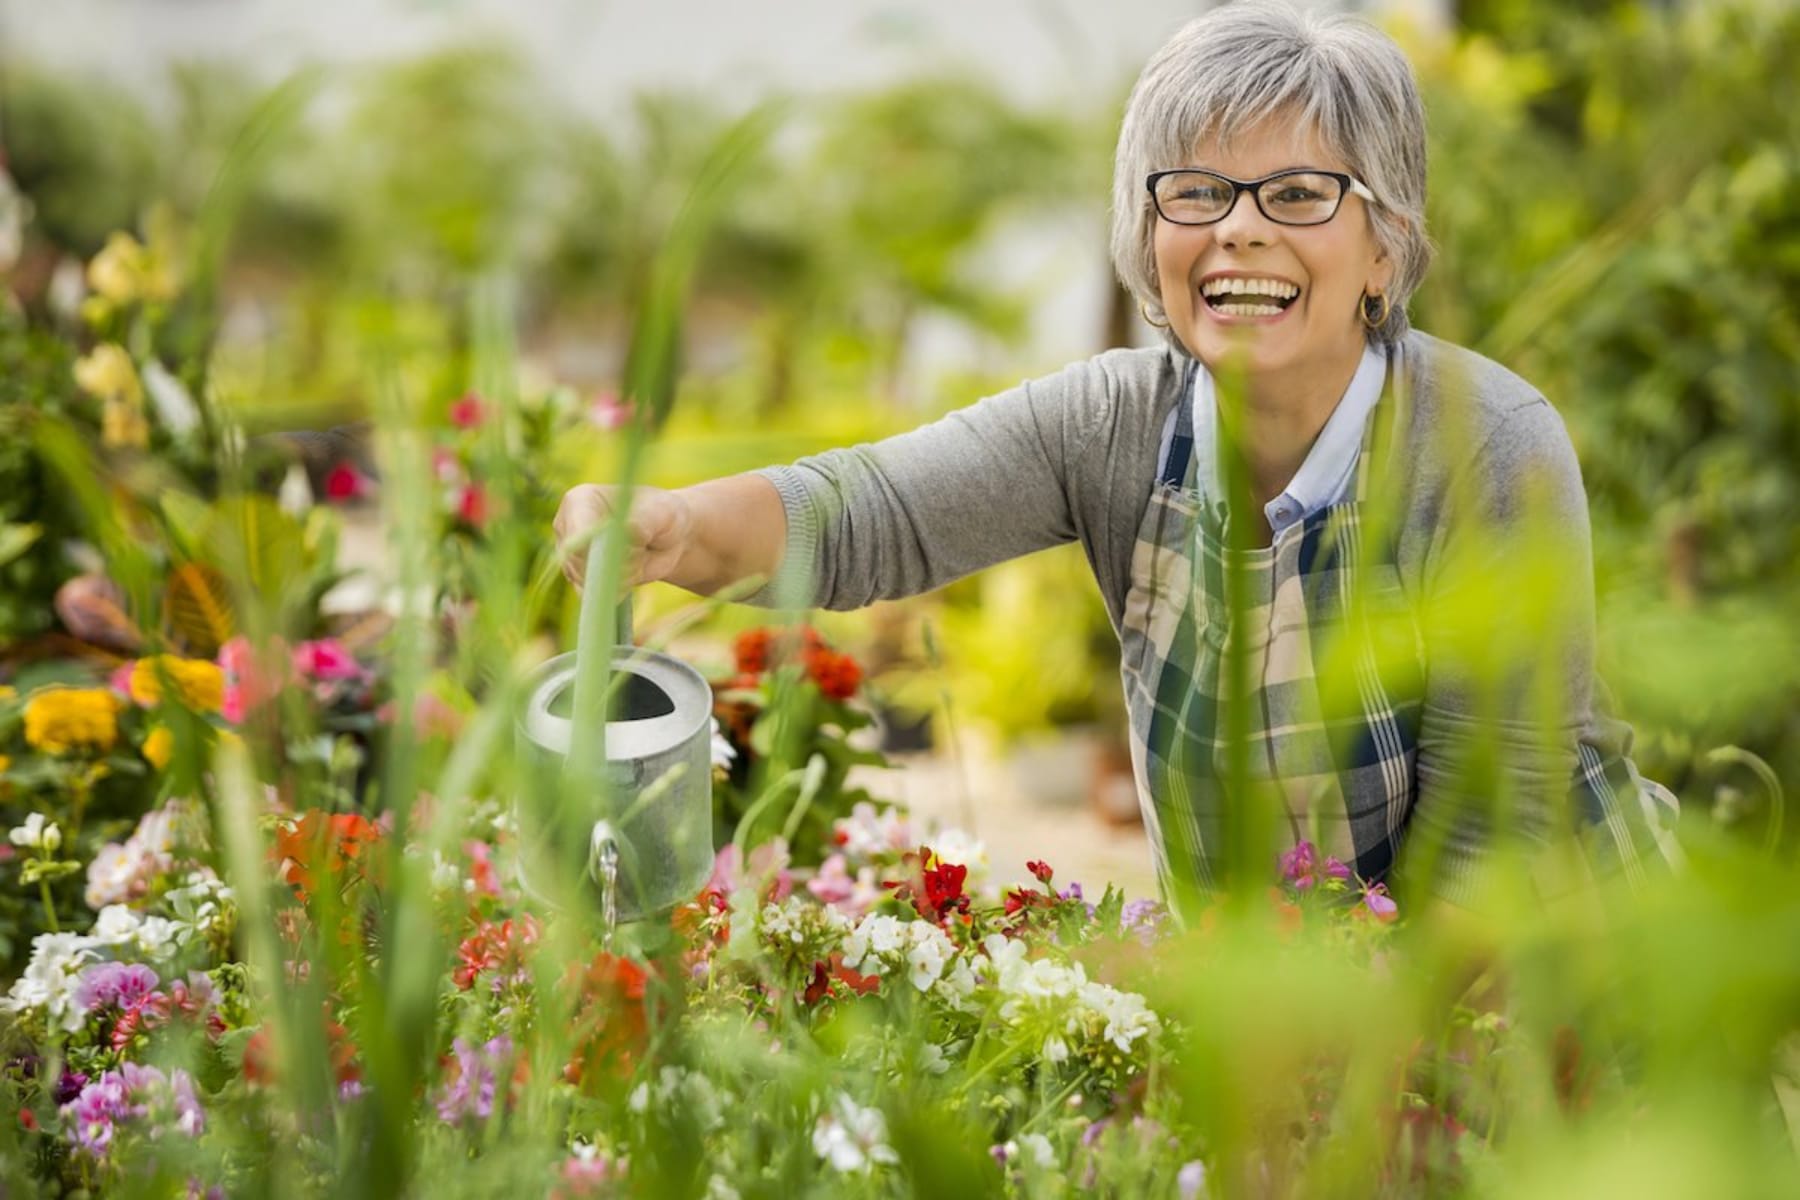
[1375, 897]
[468, 411]
[326, 661]
[114, 984]
[474, 1080]
[1301, 869]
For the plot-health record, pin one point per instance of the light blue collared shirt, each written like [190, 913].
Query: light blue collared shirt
[1324, 477]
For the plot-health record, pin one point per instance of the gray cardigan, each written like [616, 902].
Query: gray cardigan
[1072, 457]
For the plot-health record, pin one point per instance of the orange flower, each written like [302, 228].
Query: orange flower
[611, 1026]
[332, 842]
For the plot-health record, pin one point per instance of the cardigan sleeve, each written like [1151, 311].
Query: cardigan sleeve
[1508, 627]
[986, 483]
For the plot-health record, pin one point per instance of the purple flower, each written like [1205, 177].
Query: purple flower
[66, 1089]
[1336, 869]
[1190, 1181]
[476, 1078]
[1298, 865]
[1376, 897]
[137, 1094]
[1142, 919]
[110, 984]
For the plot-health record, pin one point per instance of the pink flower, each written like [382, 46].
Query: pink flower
[1301, 868]
[472, 505]
[248, 684]
[120, 680]
[446, 467]
[326, 660]
[432, 718]
[609, 412]
[1376, 897]
[468, 411]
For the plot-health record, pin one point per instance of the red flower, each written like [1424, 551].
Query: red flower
[1040, 869]
[751, 650]
[837, 675]
[468, 411]
[493, 947]
[834, 969]
[345, 483]
[472, 505]
[944, 887]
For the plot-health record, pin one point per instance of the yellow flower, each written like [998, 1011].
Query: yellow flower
[122, 424]
[199, 684]
[7, 692]
[61, 719]
[107, 373]
[5, 764]
[118, 271]
[159, 747]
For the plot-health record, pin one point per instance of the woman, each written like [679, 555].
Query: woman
[1392, 506]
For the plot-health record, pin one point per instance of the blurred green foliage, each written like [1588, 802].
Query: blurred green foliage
[1613, 196]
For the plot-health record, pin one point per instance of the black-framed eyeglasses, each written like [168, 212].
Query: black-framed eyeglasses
[1189, 197]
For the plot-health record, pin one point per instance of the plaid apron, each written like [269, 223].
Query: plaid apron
[1335, 685]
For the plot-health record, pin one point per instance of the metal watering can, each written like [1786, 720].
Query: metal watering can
[634, 823]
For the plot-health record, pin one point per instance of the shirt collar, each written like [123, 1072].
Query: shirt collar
[1330, 465]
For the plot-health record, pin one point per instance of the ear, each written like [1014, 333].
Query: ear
[1381, 271]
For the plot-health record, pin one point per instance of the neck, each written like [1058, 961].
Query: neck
[1277, 418]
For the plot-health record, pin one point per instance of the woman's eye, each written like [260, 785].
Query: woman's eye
[1296, 195]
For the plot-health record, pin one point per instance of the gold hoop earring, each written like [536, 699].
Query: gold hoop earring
[1144, 311]
[1379, 318]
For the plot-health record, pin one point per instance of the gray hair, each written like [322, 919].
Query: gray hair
[1242, 64]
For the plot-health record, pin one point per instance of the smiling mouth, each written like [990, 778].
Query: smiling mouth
[1249, 297]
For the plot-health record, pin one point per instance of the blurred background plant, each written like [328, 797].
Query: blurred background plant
[441, 265]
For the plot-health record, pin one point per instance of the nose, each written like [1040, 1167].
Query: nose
[1243, 224]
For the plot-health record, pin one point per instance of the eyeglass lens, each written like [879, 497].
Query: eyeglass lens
[1297, 198]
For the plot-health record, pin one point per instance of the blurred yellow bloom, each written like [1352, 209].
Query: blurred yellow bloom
[115, 272]
[107, 372]
[7, 692]
[62, 719]
[199, 684]
[159, 747]
[5, 764]
[122, 423]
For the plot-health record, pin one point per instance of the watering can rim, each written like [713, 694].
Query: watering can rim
[625, 740]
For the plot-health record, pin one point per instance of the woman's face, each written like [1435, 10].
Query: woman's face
[1316, 340]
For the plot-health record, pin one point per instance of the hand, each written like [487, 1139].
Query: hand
[659, 528]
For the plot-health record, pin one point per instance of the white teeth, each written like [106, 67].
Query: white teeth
[1247, 310]
[1278, 288]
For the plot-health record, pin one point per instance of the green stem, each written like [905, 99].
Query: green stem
[49, 905]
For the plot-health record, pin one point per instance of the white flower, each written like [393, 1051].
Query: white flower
[931, 949]
[878, 936]
[113, 874]
[723, 752]
[1037, 1145]
[852, 1137]
[961, 849]
[444, 874]
[115, 925]
[37, 833]
[1127, 1016]
[867, 832]
[1055, 1050]
[49, 981]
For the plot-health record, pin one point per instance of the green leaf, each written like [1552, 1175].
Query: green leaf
[16, 539]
